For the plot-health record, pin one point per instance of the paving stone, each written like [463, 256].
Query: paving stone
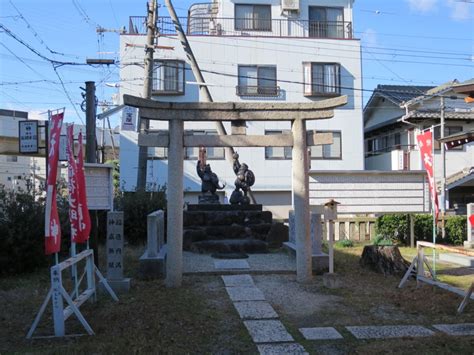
[245, 294]
[320, 333]
[267, 331]
[281, 349]
[389, 331]
[231, 264]
[456, 329]
[238, 280]
[255, 310]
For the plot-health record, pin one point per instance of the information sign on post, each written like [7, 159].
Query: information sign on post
[99, 184]
[28, 133]
[62, 147]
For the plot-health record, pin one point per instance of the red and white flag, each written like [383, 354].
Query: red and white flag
[52, 227]
[425, 143]
[72, 185]
[84, 217]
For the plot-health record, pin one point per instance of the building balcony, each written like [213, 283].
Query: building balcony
[257, 91]
[242, 27]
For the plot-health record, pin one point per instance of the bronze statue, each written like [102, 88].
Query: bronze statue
[245, 179]
[209, 179]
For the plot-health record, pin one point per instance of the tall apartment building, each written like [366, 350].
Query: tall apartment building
[252, 51]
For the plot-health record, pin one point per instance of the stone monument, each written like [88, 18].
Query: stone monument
[115, 253]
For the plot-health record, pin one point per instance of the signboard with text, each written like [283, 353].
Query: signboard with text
[99, 186]
[28, 133]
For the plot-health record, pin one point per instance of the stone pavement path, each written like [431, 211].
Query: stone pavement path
[259, 317]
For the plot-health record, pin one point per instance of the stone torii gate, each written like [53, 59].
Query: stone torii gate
[177, 113]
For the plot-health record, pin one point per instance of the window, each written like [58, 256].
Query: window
[253, 17]
[322, 79]
[12, 159]
[168, 77]
[329, 151]
[326, 22]
[257, 80]
[213, 153]
[277, 152]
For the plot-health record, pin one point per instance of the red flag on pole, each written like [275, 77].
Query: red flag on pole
[72, 185]
[52, 225]
[84, 217]
[425, 142]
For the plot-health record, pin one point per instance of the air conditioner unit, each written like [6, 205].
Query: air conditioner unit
[290, 5]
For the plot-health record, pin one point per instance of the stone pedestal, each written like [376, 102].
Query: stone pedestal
[320, 260]
[208, 199]
[153, 261]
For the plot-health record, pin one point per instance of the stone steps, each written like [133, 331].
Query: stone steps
[230, 228]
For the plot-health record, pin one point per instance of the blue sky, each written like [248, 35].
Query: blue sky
[405, 42]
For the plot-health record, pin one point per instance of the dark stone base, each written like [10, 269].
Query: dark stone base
[229, 255]
[208, 200]
[215, 207]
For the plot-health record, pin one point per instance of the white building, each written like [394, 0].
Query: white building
[390, 143]
[16, 170]
[251, 51]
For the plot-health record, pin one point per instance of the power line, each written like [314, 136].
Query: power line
[67, 94]
[52, 61]
[37, 36]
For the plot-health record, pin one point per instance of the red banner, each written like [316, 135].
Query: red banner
[84, 217]
[52, 227]
[425, 143]
[72, 185]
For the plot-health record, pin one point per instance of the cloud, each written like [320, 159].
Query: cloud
[423, 6]
[369, 37]
[460, 11]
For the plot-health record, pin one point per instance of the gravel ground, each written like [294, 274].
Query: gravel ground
[274, 262]
[294, 299]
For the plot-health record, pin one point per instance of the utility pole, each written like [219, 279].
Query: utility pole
[203, 89]
[91, 157]
[443, 169]
[147, 86]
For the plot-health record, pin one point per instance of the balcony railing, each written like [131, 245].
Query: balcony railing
[211, 26]
[257, 91]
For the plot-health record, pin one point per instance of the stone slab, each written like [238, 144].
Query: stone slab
[281, 349]
[245, 294]
[238, 281]
[456, 329]
[267, 331]
[255, 310]
[320, 333]
[457, 259]
[231, 264]
[320, 261]
[389, 331]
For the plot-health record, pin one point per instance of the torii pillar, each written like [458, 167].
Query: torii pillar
[304, 271]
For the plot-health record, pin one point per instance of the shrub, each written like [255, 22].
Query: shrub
[345, 243]
[381, 240]
[424, 227]
[394, 227]
[21, 231]
[136, 206]
[456, 229]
